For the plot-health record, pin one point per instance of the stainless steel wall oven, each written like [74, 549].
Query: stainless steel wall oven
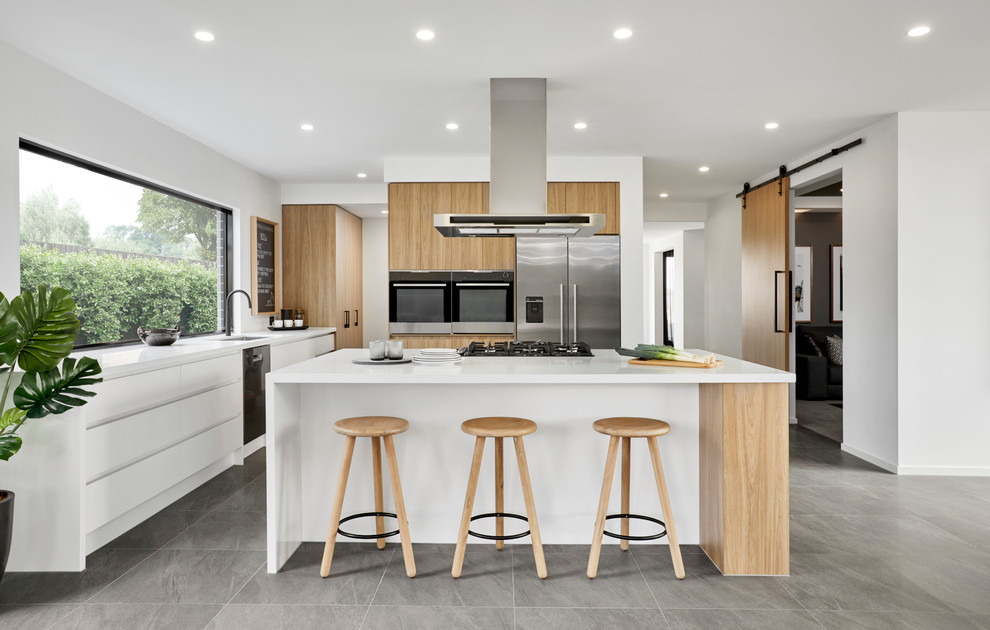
[419, 302]
[483, 302]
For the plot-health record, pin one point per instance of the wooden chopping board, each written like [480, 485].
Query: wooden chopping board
[680, 364]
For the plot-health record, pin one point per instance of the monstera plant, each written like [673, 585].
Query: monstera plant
[36, 336]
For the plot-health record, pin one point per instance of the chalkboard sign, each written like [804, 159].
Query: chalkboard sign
[266, 290]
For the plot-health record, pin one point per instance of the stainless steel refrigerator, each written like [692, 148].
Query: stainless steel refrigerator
[567, 290]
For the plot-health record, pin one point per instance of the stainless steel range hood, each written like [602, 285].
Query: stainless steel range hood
[518, 172]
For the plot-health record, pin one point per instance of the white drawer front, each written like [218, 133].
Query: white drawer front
[291, 353]
[323, 345]
[203, 374]
[125, 489]
[110, 445]
[121, 395]
[203, 410]
[209, 446]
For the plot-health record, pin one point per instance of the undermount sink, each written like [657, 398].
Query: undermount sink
[233, 338]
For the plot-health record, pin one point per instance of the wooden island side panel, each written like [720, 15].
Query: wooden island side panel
[744, 477]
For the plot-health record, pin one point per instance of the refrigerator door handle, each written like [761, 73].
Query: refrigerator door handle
[562, 303]
[574, 311]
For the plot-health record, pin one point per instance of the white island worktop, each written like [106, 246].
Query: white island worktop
[732, 417]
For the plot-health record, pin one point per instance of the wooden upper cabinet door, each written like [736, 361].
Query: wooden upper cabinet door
[496, 253]
[583, 197]
[556, 200]
[413, 241]
[467, 198]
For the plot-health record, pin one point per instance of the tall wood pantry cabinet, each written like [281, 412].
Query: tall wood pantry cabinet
[321, 268]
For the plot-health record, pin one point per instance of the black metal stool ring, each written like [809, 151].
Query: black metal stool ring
[494, 515]
[366, 536]
[642, 518]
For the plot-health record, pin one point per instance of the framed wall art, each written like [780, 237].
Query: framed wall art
[836, 294]
[802, 291]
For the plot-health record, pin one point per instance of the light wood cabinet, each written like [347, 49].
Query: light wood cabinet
[447, 341]
[413, 242]
[583, 197]
[322, 268]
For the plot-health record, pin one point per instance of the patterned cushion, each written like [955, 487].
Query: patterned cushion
[833, 345]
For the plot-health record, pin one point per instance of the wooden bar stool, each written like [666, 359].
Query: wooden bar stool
[374, 427]
[628, 428]
[498, 428]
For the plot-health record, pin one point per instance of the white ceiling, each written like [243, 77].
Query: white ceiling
[694, 85]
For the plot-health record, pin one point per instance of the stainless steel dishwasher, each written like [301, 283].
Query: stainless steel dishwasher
[256, 364]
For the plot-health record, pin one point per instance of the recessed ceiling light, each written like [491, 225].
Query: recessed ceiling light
[703, 169]
[204, 36]
[425, 35]
[362, 175]
[622, 33]
[664, 195]
[306, 127]
[919, 31]
[453, 126]
[771, 125]
[580, 125]
[384, 211]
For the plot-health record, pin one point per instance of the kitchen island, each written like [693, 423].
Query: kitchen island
[725, 458]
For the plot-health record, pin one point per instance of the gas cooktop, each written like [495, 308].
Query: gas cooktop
[527, 349]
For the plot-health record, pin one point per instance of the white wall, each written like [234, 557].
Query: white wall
[375, 279]
[693, 264]
[45, 105]
[723, 276]
[339, 194]
[943, 292]
[628, 171]
[675, 211]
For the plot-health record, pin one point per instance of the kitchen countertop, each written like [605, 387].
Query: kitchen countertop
[118, 361]
[605, 367]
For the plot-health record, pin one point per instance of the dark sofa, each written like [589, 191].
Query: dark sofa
[817, 377]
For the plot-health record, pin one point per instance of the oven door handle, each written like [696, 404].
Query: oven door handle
[482, 284]
[419, 285]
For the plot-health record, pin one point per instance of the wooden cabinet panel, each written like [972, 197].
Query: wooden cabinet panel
[447, 341]
[309, 251]
[413, 242]
[466, 198]
[582, 197]
[322, 267]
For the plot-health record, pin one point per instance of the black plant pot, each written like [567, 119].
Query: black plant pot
[6, 527]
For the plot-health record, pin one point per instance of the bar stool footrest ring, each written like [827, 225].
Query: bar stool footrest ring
[366, 536]
[642, 518]
[494, 515]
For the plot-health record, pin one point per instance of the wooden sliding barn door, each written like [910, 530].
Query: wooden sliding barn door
[766, 311]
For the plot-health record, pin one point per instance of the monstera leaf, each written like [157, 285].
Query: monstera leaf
[47, 329]
[10, 443]
[51, 392]
[9, 332]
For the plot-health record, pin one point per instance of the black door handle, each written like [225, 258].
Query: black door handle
[355, 318]
[347, 319]
[776, 305]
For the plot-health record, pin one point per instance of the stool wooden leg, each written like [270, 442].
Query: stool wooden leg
[400, 507]
[376, 464]
[596, 542]
[534, 526]
[624, 544]
[499, 497]
[668, 517]
[338, 505]
[472, 488]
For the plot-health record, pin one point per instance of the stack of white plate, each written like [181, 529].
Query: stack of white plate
[437, 356]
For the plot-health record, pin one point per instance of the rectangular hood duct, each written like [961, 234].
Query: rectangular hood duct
[518, 172]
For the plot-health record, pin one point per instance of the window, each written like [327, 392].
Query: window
[132, 253]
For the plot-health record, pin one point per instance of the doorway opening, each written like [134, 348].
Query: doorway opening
[667, 291]
[817, 295]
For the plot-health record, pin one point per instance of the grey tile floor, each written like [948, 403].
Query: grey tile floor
[869, 550]
[821, 416]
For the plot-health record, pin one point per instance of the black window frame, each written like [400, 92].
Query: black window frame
[227, 240]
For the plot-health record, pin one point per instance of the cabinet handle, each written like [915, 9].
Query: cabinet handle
[347, 319]
[355, 318]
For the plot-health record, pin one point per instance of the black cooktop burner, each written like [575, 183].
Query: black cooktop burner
[527, 349]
